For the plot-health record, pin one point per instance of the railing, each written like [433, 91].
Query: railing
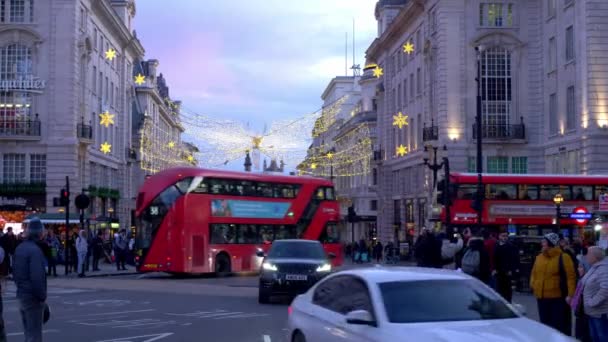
[501, 131]
[430, 133]
[20, 127]
[84, 131]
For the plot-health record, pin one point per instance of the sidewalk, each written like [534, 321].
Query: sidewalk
[105, 270]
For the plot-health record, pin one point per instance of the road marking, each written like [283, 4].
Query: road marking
[247, 315]
[107, 314]
[196, 314]
[43, 331]
[154, 337]
[267, 338]
[102, 302]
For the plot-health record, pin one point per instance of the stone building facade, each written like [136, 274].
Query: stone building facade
[543, 68]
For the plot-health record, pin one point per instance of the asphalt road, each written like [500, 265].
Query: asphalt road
[82, 313]
[158, 307]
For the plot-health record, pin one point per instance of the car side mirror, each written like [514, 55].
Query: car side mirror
[332, 255]
[260, 254]
[360, 317]
[520, 308]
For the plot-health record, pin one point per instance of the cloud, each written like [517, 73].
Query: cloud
[252, 60]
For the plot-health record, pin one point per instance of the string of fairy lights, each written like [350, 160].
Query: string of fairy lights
[219, 142]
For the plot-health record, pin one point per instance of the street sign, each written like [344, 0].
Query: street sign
[580, 214]
[603, 202]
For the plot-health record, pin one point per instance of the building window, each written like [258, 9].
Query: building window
[496, 14]
[418, 81]
[373, 205]
[405, 91]
[15, 62]
[553, 120]
[83, 19]
[519, 165]
[94, 79]
[399, 97]
[498, 165]
[14, 168]
[551, 8]
[433, 20]
[569, 44]
[552, 53]
[375, 176]
[101, 44]
[412, 87]
[100, 91]
[17, 11]
[418, 41]
[95, 39]
[37, 168]
[570, 108]
[471, 164]
[112, 94]
[496, 92]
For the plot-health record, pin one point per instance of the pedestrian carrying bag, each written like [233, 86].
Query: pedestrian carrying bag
[470, 262]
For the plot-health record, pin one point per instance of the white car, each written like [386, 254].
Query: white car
[409, 304]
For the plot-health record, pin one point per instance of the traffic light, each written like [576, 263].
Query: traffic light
[352, 215]
[64, 198]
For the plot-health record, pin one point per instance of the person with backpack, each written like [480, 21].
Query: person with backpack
[476, 260]
[553, 282]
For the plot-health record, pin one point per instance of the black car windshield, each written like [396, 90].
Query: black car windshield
[297, 250]
[441, 301]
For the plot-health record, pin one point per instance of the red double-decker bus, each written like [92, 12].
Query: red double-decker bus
[192, 220]
[519, 202]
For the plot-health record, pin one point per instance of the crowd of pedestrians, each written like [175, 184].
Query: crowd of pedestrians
[32, 256]
[566, 281]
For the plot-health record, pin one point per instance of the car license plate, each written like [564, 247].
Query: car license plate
[296, 277]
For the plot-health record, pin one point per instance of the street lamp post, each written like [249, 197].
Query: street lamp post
[478, 128]
[436, 167]
[558, 199]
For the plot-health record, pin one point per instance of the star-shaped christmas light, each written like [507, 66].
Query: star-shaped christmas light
[140, 79]
[107, 119]
[378, 72]
[171, 144]
[330, 155]
[105, 148]
[313, 166]
[401, 150]
[400, 120]
[408, 47]
[191, 158]
[110, 54]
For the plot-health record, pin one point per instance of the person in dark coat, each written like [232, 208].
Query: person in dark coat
[506, 263]
[30, 277]
[97, 249]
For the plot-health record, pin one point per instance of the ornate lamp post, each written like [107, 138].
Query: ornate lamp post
[558, 199]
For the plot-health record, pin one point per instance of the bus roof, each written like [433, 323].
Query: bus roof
[158, 182]
[549, 179]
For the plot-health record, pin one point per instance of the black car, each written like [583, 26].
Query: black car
[292, 267]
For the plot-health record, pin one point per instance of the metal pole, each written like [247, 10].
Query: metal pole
[67, 223]
[446, 196]
[435, 167]
[480, 193]
[558, 214]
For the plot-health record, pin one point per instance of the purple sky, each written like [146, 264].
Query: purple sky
[252, 60]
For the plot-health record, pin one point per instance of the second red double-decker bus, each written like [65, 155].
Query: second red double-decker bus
[525, 202]
[192, 220]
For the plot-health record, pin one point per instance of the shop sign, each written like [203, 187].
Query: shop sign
[23, 83]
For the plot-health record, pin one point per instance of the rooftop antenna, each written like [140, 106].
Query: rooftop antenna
[356, 67]
[346, 54]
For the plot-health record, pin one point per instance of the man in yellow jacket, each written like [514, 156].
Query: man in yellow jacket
[553, 281]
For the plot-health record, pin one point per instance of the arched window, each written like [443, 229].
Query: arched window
[15, 62]
[496, 99]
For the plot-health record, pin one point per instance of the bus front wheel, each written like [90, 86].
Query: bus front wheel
[222, 265]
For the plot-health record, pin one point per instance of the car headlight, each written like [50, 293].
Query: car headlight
[324, 268]
[269, 267]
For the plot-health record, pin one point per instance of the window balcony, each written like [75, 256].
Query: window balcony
[502, 131]
[84, 133]
[20, 129]
[430, 133]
